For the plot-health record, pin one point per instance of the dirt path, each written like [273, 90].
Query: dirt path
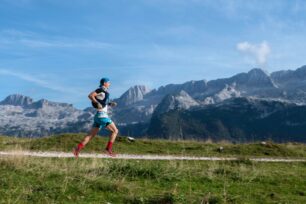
[139, 157]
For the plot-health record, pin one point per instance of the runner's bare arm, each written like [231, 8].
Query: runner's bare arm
[92, 97]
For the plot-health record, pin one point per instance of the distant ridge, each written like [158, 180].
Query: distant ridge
[142, 112]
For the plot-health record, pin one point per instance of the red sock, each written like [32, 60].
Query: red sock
[80, 146]
[109, 146]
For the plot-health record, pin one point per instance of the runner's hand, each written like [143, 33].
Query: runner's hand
[112, 104]
[97, 105]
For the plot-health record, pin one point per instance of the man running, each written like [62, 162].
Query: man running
[100, 100]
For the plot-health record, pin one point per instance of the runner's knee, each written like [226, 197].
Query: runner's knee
[115, 131]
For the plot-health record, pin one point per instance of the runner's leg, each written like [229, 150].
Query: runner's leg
[86, 139]
[114, 131]
[94, 131]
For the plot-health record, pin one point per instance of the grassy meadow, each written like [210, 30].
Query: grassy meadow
[67, 180]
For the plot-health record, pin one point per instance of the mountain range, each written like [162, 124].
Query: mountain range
[287, 86]
[204, 108]
[21, 116]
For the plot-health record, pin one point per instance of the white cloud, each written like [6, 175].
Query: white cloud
[259, 51]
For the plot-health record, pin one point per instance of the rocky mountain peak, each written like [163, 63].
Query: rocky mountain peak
[180, 100]
[17, 100]
[229, 91]
[259, 78]
[257, 72]
[257, 75]
[133, 94]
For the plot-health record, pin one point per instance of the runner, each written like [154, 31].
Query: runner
[100, 100]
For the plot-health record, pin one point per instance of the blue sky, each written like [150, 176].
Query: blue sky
[59, 49]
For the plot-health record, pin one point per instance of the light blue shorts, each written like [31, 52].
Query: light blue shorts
[101, 122]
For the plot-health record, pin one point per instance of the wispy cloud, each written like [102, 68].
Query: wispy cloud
[259, 51]
[13, 33]
[34, 40]
[37, 81]
[64, 44]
